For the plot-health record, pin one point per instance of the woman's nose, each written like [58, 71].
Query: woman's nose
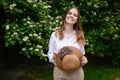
[71, 15]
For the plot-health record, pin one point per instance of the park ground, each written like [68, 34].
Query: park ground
[15, 66]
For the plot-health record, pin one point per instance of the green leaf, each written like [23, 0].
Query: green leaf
[6, 44]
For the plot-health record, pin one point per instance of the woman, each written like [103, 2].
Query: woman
[70, 33]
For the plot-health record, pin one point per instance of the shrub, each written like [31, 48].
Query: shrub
[100, 21]
[29, 25]
[31, 22]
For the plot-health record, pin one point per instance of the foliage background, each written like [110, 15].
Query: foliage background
[29, 23]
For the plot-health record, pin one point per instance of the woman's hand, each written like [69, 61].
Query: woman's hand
[84, 61]
[56, 51]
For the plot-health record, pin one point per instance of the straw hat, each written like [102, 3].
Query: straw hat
[68, 58]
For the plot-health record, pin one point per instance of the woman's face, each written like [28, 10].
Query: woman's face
[72, 16]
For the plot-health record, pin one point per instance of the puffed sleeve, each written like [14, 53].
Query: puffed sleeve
[51, 48]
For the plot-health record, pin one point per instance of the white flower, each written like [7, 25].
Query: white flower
[89, 3]
[30, 34]
[25, 38]
[23, 49]
[96, 6]
[115, 36]
[39, 33]
[50, 22]
[35, 0]
[31, 26]
[35, 34]
[18, 30]
[12, 5]
[13, 27]
[29, 1]
[107, 18]
[39, 46]
[50, 28]
[81, 4]
[43, 21]
[22, 32]
[28, 18]
[24, 19]
[36, 49]
[7, 27]
[45, 7]
[15, 33]
[44, 55]
[49, 16]
[94, 13]
[115, 24]
[87, 42]
[34, 5]
[116, 28]
[49, 6]
[28, 22]
[57, 20]
[39, 37]
[12, 35]
[58, 17]
[30, 48]
[54, 23]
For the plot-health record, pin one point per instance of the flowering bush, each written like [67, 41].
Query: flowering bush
[30, 25]
[100, 21]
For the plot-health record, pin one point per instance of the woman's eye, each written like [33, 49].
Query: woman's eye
[69, 13]
[75, 15]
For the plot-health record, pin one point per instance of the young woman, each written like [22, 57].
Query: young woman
[70, 33]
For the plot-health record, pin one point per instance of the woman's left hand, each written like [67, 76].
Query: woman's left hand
[84, 61]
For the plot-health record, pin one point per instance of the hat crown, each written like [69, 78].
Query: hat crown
[68, 58]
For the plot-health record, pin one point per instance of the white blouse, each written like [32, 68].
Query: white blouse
[56, 43]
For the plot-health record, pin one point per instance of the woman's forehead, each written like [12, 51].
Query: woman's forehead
[73, 10]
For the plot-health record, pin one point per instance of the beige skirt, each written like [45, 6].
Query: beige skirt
[59, 74]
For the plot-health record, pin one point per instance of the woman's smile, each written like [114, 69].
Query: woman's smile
[72, 16]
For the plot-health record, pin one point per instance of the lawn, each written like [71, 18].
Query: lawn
[36, 70]
[101, 72]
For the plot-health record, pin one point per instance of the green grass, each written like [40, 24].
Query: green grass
[38, 72]
[101, 72]
[101, 69]
[92, 71]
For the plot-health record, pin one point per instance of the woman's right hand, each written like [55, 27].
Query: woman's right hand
[56, 51]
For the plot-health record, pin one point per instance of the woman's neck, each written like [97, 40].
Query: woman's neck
[68, 29]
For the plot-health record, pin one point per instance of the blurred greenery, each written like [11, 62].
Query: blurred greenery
[29, 23]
